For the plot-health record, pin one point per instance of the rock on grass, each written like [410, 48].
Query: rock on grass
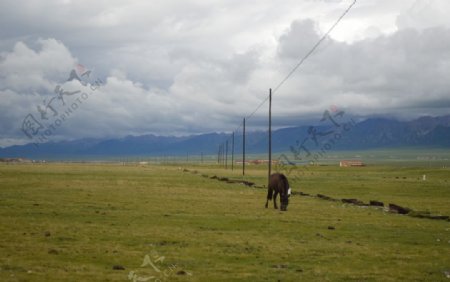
[118, 267]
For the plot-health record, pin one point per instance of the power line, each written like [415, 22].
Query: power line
[257, 108]
[313, 48]
[303, 59]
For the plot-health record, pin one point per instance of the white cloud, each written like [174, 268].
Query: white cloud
[425, 14]
[388, 73]
[28, 71]
[187, 66]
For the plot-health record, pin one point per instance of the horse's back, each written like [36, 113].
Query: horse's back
[278, 180]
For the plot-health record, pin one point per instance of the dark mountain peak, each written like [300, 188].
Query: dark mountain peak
[379, 121]
[376, 132]
[430, 122]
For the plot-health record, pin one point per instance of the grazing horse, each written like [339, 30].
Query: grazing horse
[278, 183]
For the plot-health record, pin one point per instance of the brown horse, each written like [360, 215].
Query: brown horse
[278, 184]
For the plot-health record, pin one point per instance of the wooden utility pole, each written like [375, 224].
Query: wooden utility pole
[243, 150]
[270, 137]
[232, 151]
[226, 154]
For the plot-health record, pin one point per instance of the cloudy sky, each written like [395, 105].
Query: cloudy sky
[178, 67]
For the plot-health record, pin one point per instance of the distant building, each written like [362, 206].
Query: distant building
[347, 163]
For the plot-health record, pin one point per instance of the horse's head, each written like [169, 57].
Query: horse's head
[284, 199]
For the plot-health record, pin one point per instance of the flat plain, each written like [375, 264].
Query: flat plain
[115, 222]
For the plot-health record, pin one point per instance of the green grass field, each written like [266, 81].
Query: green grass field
[76, 222]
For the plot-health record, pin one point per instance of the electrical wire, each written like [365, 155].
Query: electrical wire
[302, 60]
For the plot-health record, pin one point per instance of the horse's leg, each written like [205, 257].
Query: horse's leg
[275, 199]
[269, 196]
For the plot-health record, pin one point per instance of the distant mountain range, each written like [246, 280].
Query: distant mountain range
[371, 133]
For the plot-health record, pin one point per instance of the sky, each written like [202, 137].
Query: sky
[108, 69]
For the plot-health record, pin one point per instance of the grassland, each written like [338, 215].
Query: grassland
[76, 222]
